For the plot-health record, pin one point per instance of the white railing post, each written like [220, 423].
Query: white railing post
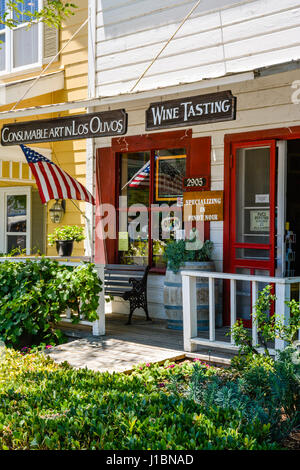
[232, 306]
[99, 324]
[68, 313]
[283, 294]
[212, 309]
[189, 302]
[254, 319]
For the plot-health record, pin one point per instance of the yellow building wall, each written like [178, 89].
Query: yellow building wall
[69, 155]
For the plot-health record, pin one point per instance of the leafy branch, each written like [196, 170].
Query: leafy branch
[53, 13]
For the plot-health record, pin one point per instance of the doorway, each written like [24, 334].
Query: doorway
[253, 212]
[292, 227]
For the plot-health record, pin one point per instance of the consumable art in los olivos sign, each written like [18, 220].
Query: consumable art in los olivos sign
[81, 126]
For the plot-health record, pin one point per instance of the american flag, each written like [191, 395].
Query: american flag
[52, 181]
[140, 176]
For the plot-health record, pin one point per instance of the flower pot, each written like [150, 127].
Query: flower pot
[173, 297]
[64, 247]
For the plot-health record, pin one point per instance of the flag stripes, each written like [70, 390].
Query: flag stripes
[52, 181]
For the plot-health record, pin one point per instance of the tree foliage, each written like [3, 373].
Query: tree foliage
[53, 13]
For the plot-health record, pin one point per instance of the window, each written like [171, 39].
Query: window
[150, 204]
[22, 220]
[21, 47]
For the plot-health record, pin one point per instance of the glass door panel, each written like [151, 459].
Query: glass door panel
[133, 208]
[150, 204]
[252, 234]
[16, 222]
[169, 171]
[253, 200]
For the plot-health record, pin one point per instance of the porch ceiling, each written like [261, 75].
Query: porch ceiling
[15, 154]
[11, 92]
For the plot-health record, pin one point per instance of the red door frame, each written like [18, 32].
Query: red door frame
[252, 137]
[235, 262]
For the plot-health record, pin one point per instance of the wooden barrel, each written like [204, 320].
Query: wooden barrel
[173, 297]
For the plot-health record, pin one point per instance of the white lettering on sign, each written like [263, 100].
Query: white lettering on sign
[161, 114]
[77, 127]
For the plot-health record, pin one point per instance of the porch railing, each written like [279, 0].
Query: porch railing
[191, 340]
[98, 326]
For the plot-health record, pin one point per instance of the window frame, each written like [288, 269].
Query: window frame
[155, 142]
[9, 49]
[15, 191]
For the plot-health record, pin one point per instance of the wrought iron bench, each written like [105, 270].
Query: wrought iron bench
[128, 282]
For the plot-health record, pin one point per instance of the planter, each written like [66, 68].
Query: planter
[64, 247]
[173, 297]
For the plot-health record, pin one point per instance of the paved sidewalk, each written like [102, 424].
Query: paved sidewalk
[125, 346]
[110, 354]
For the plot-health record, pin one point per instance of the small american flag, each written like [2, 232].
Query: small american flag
[139, 178]
[52, 181]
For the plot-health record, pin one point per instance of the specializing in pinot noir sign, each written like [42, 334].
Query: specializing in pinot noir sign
[201, 109]
[82, 126]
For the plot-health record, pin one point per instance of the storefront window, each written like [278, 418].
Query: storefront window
[16, 222]
[150, 204]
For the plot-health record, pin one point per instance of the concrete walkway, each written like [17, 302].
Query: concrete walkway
[109, 354]
[126, 346]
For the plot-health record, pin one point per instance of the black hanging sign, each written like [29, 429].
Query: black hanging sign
[81, 126]
[201, 109]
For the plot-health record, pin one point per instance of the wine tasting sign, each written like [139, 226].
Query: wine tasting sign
[201, 109]
[82, 126]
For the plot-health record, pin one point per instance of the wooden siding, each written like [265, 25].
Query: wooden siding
[221, 37]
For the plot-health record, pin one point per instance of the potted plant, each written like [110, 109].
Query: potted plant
[189, 255]
[64, 238]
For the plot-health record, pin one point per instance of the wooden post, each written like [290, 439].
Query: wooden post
[283, 294]
[189, 302]
[99, 324]
[254, 320]
[232, 306]
[212, 324]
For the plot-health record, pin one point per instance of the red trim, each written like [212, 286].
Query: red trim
[106, 175]
[198, 153]
[231, 262]
[155, 141]
[199, 163]
[283, 133]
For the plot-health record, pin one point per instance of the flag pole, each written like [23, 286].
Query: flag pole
[139, 171]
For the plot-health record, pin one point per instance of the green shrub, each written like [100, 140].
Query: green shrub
[34, 294]
[176, 254]
[263, 390]
[49, 406]
[67, 232]
[269, 327]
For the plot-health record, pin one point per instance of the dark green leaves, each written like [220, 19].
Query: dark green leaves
[34, 294]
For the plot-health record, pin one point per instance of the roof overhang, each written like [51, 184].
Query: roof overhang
[128, 97]
[15, 153]
[11, 92]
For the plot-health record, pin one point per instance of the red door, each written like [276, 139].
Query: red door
[252, 210]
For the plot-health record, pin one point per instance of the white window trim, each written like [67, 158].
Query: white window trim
[14, 191]
[9, 69]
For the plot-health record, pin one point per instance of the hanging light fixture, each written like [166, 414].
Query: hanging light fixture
[57, 211]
